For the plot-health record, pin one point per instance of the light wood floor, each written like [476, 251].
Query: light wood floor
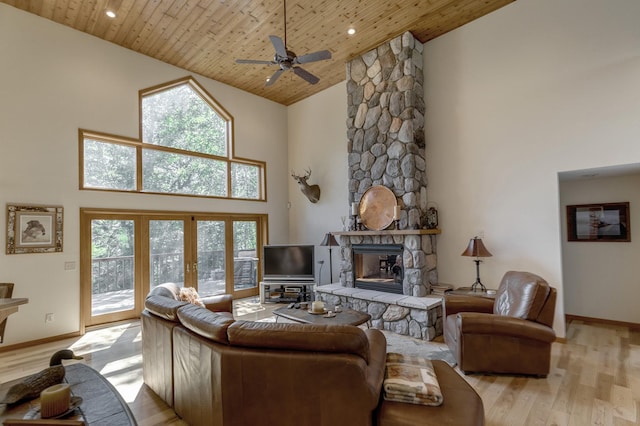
[594, 380]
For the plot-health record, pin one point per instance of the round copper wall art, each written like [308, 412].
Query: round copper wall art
[376, 207]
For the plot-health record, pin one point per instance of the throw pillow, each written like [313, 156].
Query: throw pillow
[189, 294]
[411, 379]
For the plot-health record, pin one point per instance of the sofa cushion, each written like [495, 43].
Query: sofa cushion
[212, 325]
[164, 307]
[521, 295]
[300, 337]
[170, 290]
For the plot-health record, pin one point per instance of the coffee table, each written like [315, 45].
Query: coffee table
[101, 402]
[344, 317]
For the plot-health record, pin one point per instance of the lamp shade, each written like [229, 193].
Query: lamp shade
[329, 240]
[476, 249]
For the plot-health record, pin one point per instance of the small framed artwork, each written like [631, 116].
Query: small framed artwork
[599, 222]
[34, 229]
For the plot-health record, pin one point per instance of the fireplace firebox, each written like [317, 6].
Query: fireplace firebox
[378, 267]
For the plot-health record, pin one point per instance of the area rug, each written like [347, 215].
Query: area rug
[406, 345]
[409, 346]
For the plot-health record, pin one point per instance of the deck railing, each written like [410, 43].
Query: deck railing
[117, 273]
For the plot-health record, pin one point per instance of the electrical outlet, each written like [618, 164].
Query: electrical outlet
[69, 266]
[49, 317]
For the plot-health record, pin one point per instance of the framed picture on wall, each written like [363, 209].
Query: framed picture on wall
[34, 229]
[599, 222]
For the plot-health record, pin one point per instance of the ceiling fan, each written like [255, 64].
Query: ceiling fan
[288, 60]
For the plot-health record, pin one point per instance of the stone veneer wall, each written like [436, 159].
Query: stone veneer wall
[385, 125]
[418, 317]
[385, 129]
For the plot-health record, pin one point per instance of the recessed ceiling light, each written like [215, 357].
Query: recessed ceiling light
[110, 13]
[351, 31]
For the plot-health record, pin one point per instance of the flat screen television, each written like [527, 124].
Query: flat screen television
[288, 263]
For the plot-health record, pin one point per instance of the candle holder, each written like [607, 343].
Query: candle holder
[354, 219]
[397, 221]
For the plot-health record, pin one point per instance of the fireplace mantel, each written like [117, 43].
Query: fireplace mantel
[390, 232]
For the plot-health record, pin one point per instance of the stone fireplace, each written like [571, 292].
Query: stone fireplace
[385, 131]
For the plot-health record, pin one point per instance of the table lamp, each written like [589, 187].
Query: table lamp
[329, 241]
[477, 249]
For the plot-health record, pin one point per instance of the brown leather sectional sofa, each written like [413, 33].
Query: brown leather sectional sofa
[214, 370]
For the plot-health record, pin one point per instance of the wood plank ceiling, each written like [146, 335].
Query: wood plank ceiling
[206, 36]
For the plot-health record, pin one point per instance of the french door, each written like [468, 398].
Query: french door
[125, 254]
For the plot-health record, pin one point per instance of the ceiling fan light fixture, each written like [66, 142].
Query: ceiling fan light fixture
[286, 60]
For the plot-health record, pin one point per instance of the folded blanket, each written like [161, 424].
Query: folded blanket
[411, 379]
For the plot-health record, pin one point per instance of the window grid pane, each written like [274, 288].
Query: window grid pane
[179, 118]
[183, 174]
[109, 166]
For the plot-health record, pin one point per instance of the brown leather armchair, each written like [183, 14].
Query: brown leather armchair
[511, 334]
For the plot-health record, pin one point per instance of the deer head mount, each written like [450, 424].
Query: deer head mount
[312, 192]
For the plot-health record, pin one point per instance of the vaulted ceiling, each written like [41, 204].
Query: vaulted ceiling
[207, 36]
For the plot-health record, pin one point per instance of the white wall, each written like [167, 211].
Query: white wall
[537, 87]
[54, 80]
[602, 279]
[318, 139]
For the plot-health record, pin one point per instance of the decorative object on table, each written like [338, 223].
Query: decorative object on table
[37, 413]
[477, 249]
[312, 192]
[354, 216]
[599, 222]
[34, 229]
[377, 207]
[431, 216]
[329, 241]
[317, 307]
[55, 400]
[396, 216]
[31, 386]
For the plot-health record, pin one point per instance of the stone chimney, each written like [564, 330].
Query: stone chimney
[385, 129]
[385, 125]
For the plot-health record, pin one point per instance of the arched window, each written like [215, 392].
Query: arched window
[185, 147]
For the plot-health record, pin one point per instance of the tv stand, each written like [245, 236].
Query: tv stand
[286, 291]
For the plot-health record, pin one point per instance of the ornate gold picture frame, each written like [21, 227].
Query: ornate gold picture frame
[34, 229]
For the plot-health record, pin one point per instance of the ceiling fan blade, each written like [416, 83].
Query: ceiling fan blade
[278, 44]
[306, 75]
[312, 57]
[274, 77]
[253, 61]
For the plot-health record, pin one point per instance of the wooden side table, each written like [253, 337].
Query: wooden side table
[466, 291]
